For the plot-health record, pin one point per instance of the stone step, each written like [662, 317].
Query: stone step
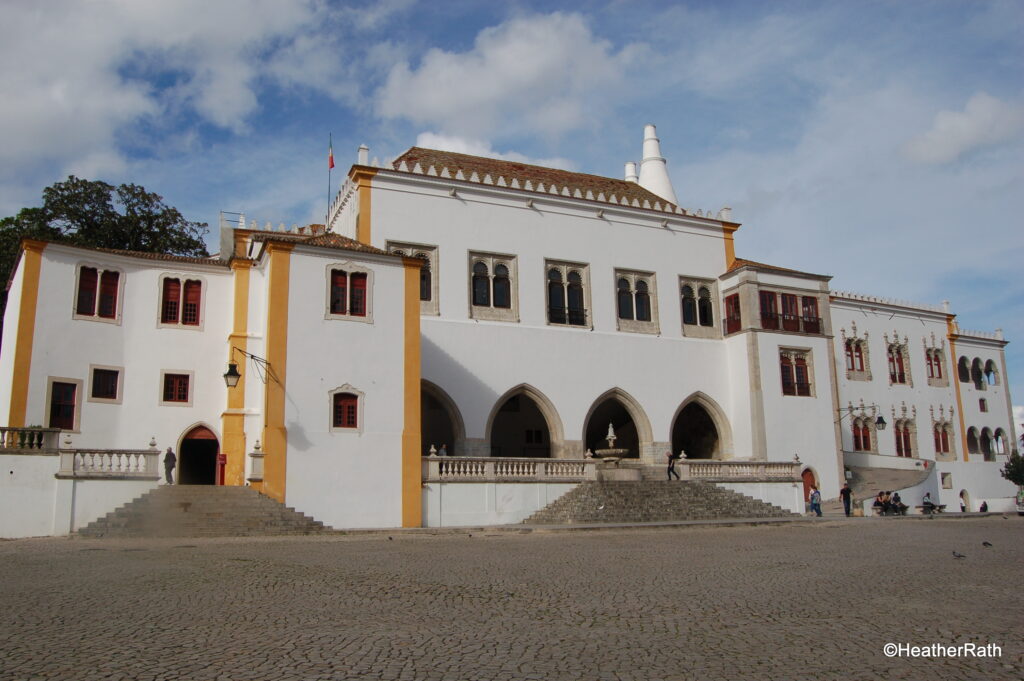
[195, 510]
[650, 500]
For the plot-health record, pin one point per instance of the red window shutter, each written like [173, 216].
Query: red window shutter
[357, 303]
[937, 433]
[175, 387]
[899, 441]
[86, 304]
[788, 387]
[803, 383]
[62, 405]
[907, 451]
[849, 356]
[108, 295]
[945, 441]
[865, 436]
[857, 445]
[339, 291]
[193, 298]
[858, 357]
[937, 360]
[346, 414]
[171, 301]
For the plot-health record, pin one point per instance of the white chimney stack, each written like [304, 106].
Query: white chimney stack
[631, 175]
[364, 155]
[653, 171]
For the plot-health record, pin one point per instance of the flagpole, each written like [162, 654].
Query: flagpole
[330, 166]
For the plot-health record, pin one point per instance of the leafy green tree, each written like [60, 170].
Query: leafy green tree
[1013, 470]
[97, 214]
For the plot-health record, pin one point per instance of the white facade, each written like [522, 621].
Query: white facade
[550, 304]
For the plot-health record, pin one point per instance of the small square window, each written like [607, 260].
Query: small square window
[105, 384]
[983, 404]
[176, 388]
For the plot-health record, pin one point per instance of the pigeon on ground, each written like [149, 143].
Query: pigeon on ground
[601, 507]
[390, 539]
[986, 544]
[958, 555]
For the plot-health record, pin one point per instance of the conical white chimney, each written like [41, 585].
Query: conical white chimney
[631, 175]
[653, 171]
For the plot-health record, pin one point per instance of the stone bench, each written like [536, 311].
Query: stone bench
[938, 508]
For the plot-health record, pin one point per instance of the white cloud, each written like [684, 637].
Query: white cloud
[462, 145]
[87, 72]
[537, 74]
[984, 122]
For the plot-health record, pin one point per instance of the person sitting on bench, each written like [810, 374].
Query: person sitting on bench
[879, 504]
[896, 504]
[928, 504]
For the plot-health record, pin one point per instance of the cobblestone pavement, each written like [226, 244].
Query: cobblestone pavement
[792, 601]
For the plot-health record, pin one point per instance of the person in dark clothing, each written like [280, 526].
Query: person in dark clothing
[846, 494]
[170, 461]
[672, 458]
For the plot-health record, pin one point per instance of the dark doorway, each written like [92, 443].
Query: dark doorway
[808, 479]
[198, 460]
[694, 432]
[614, 412]
[520, 429]
[436, 427]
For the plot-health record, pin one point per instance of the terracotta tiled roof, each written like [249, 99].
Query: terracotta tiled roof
[327, 240]
[523, 172]
[740, 262]
[148, 256]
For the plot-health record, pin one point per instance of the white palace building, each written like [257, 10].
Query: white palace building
[498, 313]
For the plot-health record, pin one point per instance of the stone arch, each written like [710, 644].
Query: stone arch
[723, 448]
[199, 457]
[546, 408]
[452, 433]
[644, 433]
[965, 500]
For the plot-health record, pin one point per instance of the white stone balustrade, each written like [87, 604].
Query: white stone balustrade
[29, 440]
[738, 470]
[486, 469]
[111, 464]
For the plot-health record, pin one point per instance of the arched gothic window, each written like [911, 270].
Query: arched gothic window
[704, 311]
[625, 299]
[689, 305]
[481, 285]
[963, 371]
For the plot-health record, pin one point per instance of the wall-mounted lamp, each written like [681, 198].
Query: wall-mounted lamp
[880, 423]
[232, 376]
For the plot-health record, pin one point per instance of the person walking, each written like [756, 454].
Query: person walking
[170, 461]
[846, 494]
[672, 458]
[815, 501]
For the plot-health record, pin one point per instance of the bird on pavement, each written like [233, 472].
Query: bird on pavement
[986, 544]
[958, 555]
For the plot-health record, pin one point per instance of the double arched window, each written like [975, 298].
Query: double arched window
[181, 303]
[428, 272]
[862, 427]
[97, 294]
[566, 295]
[942, 432]
[634, 295]
[898, 364]
[904, 437]
[697, 307]
[855, 355]
[493, 287]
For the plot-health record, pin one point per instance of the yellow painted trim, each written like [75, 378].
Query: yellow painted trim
[362, 178]
[412, 488]
[951, 333]
[728, 230]
[32, 258]
[233, 420]
[275, 433]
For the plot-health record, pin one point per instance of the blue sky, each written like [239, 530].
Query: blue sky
[879, 142]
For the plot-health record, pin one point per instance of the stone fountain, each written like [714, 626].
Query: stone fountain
[611, 453]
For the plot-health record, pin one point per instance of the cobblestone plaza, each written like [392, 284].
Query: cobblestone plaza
[784, 601]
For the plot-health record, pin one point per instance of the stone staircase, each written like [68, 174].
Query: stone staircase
[650, 501]
[201, 511]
